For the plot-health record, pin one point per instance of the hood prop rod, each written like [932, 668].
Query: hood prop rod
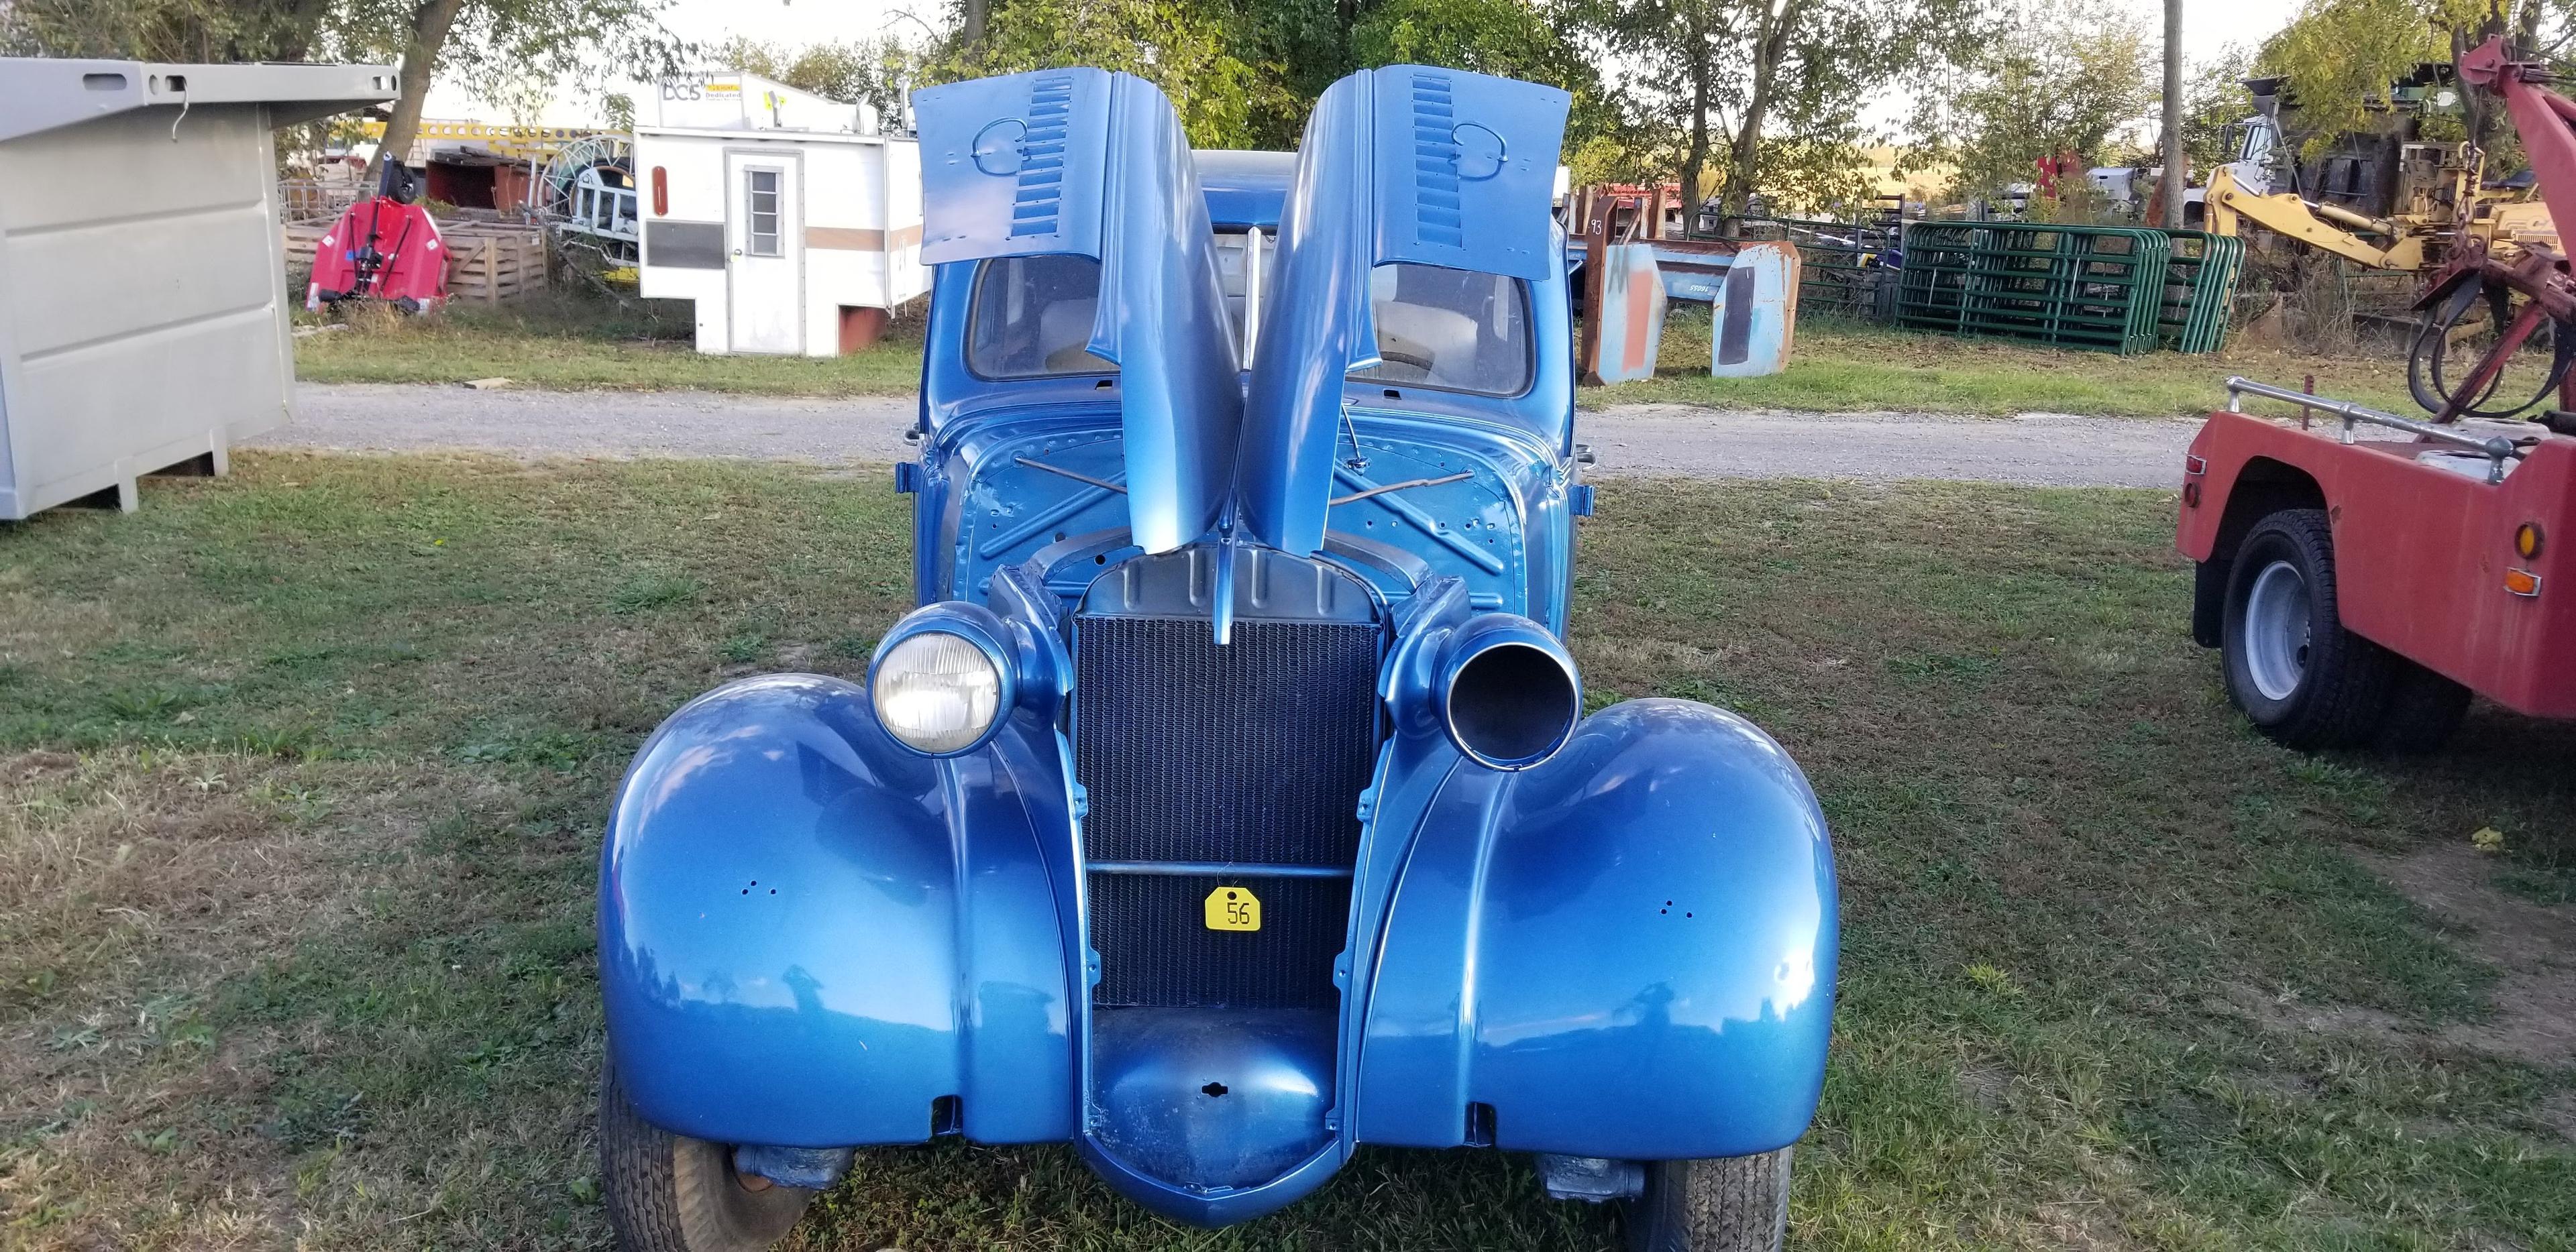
[1102, 483]
[1406, 485]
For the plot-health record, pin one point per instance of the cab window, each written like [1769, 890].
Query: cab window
[1451, 329]
[1031, 318]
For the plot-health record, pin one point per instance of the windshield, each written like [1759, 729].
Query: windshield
[1233, 247]
[1452, 329]
[1032, 318]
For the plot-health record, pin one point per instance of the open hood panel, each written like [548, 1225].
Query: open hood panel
[1403, 164]
[1089, 163]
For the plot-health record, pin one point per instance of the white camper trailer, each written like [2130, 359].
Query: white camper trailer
[794, 222]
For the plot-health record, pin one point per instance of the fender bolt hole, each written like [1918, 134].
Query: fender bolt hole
[1213, 1089]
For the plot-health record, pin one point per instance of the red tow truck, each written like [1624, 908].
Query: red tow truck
[2360, 590]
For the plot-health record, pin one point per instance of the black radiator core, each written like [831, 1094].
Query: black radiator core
[1157, 952]
[1249, 754]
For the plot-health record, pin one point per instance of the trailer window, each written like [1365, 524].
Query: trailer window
[761, 192]
[1031, 318]
[1455, 330]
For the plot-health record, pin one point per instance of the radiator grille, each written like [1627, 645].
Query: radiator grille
[1253, 753]
[1156, 951]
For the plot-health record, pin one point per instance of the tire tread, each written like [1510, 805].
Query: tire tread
[2350, 674]
[670, 1193]
[1727, 1204]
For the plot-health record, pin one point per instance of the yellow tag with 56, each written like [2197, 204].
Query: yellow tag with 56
[1233, 908]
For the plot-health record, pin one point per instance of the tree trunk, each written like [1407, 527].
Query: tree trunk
[430, 23]
[1744, 148]
[970, 26]
[2176, 177]
[1695, 156]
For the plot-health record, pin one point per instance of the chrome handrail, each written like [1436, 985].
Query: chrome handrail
[2496, 448]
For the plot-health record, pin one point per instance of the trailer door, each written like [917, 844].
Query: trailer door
[766, 240]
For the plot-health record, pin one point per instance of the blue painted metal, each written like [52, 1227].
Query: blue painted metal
[782, 909]
[1245, 189]
[1395, 163]
[1625, 953]
[1631, 313]
[1091, 163]
[1756, 313]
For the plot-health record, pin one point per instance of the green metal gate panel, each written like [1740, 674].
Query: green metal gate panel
[2094, 287]
[2200, 288]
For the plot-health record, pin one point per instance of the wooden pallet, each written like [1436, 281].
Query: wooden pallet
[486, 262]
[491, 266]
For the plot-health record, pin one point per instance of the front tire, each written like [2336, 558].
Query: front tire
[2291, 666]
[1731, 1204]
[671, 1193]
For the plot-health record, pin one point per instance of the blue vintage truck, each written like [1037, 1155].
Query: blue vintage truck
[1229, 801]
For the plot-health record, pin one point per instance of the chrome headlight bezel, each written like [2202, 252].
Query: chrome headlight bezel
[960, 623]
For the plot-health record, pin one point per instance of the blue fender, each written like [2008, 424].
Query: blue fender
[1626, 952]
[809, 935]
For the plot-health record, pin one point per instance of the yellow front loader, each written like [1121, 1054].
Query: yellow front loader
[2440, 198]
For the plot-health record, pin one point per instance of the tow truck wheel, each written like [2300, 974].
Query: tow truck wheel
[2303, 679]
[1731, 1204]
[671, 1193]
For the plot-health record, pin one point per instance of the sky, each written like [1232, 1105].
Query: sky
[2208, 27]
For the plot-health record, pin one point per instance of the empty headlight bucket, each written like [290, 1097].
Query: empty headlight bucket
[941, 682]
[1509, 695]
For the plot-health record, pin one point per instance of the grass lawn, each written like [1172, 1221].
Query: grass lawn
[305, 769]
[567, 342]
[570, 343]
[1842, 366]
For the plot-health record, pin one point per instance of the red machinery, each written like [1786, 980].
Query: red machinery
[385, 248]
[2360, 590]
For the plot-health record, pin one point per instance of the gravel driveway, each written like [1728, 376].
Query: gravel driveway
[2034, 449]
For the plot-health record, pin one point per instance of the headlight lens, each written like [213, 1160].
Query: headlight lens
[936, 691]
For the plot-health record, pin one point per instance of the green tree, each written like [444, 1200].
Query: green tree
[876, 72]
[2341, 55]
[1772, 91]
[1514, 39]
[1253, 68]
[1179, 47]
[2214, 101]
[487, 41]
[492, 44]
[2066, 82]
[165, 30]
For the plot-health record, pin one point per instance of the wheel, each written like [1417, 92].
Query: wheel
[2303, 679]
[671, 1193]
[1731, 1204]
[2424, 710]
